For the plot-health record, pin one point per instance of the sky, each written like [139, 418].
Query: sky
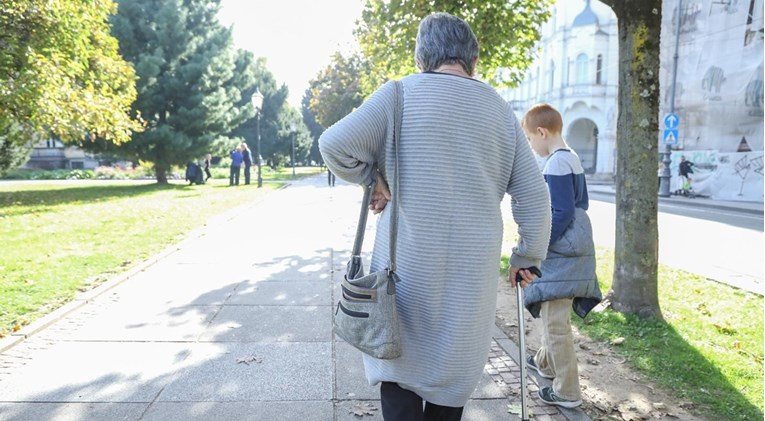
[297, 37]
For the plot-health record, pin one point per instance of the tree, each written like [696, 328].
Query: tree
[635, 284]
[61, 75]
[272, 122]
[189, 89]
[335, 91]
[314, 128]
[507, 32]
[301, 135]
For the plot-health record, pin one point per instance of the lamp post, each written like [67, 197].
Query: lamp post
[257, 103]
[666, 161]
[292, 139]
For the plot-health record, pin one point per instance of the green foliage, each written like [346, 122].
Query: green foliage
[314, 128]
[100, 173]
[507, 32]
[275, 119]
[60, 73]
[191, 81]
[335, 91]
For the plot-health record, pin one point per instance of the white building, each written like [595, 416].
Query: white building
[718, 92]
[576, 71]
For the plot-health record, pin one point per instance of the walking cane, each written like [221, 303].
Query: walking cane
[522, 339]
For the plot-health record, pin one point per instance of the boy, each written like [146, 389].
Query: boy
[569, 270]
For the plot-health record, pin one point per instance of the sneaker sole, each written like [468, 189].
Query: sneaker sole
[535, 368]
[565, 404]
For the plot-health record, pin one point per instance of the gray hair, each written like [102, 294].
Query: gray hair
[445, 39]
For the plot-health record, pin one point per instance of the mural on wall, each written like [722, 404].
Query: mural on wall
[718, 91]
[723, 176]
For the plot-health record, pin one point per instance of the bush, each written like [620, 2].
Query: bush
[111, 173]
[31, 174]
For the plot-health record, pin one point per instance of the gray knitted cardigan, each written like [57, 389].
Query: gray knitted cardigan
[461, 151]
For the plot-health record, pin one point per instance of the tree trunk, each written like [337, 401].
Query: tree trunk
[635, 283]
[161, 174]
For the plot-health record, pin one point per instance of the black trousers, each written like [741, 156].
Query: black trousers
[399, 404]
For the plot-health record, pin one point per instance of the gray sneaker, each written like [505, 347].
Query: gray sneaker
[549, 397]
[533, 364]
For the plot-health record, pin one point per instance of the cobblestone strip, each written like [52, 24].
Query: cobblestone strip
[506, 373]
[59, 331]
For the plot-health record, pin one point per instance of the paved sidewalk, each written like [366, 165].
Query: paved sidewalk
[234, 323]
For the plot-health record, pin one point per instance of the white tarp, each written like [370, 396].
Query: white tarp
[723, 176]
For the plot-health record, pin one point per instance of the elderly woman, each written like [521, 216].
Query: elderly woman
[461, 150]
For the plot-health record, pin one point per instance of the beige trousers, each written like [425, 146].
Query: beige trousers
[556, 357]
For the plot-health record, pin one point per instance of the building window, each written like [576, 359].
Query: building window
[551, 82]
[599, 70]
[581, 69]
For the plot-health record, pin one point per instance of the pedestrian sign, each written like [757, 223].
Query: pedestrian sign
[671, 121]
[670, 137]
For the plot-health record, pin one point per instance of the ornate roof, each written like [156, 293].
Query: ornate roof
[586, 17]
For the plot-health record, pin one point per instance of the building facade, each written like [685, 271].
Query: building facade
[576, 71]
[51, 154]
[717, 90]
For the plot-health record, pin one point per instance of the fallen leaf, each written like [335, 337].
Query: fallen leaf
[727, 330]
[249, 359]
[361, 409]
[702, 308]
[516, 409]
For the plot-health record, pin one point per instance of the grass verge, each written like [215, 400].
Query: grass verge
[707, 352]
[63, 237]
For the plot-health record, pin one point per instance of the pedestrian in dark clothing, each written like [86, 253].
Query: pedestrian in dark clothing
[208, 162]
[330, 178]
[247, 158]
[685, 170]
[236, 164]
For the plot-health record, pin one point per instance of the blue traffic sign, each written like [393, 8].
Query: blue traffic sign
[671, 121]
[671, 136]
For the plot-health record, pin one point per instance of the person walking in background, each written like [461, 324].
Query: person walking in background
[247, 159]
[449, 240]
[236, 165]
[208, 163]
[685, 169]
[330, 178]
[569, 278]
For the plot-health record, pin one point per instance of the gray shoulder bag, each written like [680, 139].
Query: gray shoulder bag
[366, 312]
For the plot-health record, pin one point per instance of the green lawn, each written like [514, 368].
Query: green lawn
[62, 237]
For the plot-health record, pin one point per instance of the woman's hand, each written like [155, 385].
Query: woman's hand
[380, 195]
[526, 276]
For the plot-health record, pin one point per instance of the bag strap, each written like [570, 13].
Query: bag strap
[397, 116]
[369, 187]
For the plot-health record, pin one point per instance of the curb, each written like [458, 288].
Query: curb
[705, 203]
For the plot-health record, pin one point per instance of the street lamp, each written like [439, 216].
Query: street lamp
[666, 175]
[257, 103]
[293, 127]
